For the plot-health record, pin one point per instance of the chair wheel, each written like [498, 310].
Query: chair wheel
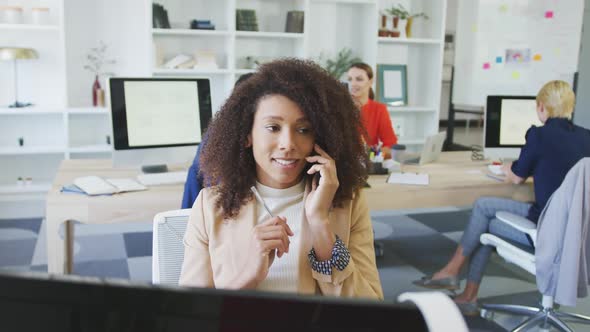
[486, 314]
[379, 251]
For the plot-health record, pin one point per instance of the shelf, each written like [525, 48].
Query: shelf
[244, 71]
[91, 148]
[162, 71]
[189, 32]
[405, 41]
[42, 187]
[410, 109]
[88, 110]
[258, 34]
[31, 150]
[34, 110]
[28, 27]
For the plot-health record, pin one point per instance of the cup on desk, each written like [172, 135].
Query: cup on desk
[397, 152]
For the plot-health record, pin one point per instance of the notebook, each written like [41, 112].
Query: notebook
[95, 185]
[408, 178]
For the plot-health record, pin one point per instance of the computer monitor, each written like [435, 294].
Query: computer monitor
[158, 121]
[36, 302]
[507, 119]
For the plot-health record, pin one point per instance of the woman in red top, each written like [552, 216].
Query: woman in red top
[374, 115]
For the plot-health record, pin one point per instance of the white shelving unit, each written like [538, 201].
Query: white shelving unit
[330, 25]
[62, 126]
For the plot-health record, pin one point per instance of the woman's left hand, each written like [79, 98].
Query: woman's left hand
[319, 199]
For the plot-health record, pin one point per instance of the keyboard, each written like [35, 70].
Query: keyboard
[156, 179]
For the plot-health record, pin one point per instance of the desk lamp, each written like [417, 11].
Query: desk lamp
[16, 53]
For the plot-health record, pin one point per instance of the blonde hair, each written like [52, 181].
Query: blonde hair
[558, 99]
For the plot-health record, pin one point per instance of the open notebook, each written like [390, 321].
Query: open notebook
[95, 185]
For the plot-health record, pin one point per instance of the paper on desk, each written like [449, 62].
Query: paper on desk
[408, 178]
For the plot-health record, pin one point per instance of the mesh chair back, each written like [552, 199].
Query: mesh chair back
[168, 247]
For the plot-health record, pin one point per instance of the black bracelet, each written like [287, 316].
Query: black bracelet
[340, 258]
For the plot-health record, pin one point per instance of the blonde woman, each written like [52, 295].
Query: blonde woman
[549, 153]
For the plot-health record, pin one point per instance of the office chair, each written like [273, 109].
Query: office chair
[524, 256]
[167, 246]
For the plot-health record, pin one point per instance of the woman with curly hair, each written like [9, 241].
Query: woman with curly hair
[291, 132]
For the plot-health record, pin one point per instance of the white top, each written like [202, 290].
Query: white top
[288, 203]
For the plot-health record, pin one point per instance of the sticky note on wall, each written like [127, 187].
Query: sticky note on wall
[549, 14]
[498, 59]
[537, 57]
[515, 75]
[486, 65]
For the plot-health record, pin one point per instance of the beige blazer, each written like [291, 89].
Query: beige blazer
[215, 248]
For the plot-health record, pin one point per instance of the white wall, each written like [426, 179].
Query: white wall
[121, 25]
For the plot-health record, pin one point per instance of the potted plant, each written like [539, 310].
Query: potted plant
[340, 64]
[402, 19]
[96, 58]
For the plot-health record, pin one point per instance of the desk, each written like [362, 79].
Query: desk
[454, 181]
[125, 207]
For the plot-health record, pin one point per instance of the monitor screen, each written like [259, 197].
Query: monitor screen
[150, 116]
[39, 302]
[506, 122]
[159, 112]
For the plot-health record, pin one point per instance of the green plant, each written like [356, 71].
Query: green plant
[340, 64]
[400, 11]
[96, 58]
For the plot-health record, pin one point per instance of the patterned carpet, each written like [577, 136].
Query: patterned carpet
[415, 243]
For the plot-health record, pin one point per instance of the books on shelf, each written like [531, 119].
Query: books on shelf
[159, 17]
[294, 21]
[205, 60]
[246, 20]
[202, 25]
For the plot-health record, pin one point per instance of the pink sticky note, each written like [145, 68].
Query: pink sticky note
[486, 65]
[549, 14]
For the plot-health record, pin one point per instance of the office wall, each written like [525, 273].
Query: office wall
[582, 113]
[514, 47]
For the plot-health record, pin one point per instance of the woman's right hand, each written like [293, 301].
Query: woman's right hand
[265, 239]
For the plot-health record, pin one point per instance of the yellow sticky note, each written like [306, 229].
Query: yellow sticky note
[504, 8]
[537, 57]
[515, 75]
[557, 51]
[474, 28]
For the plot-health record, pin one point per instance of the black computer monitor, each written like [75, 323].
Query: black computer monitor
[507, 119]
[158, 121]
[38, 302]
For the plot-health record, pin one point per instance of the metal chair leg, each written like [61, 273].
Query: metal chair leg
[577, 317]
[512, 309]
[530, 321]
[558, 323]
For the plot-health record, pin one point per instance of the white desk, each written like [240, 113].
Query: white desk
[454, 181]
[125, 207]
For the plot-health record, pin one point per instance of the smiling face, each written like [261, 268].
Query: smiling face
[281, 138]
[359, 83]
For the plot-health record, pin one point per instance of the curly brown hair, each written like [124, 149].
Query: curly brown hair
[229, 163]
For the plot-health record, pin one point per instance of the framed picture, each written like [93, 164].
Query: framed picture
[392, 84]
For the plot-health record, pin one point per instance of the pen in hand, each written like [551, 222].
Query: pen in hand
[259, 198]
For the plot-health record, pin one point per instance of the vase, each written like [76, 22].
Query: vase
[383, 32]
[95, 91]
[401, 26]
[409, 27]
